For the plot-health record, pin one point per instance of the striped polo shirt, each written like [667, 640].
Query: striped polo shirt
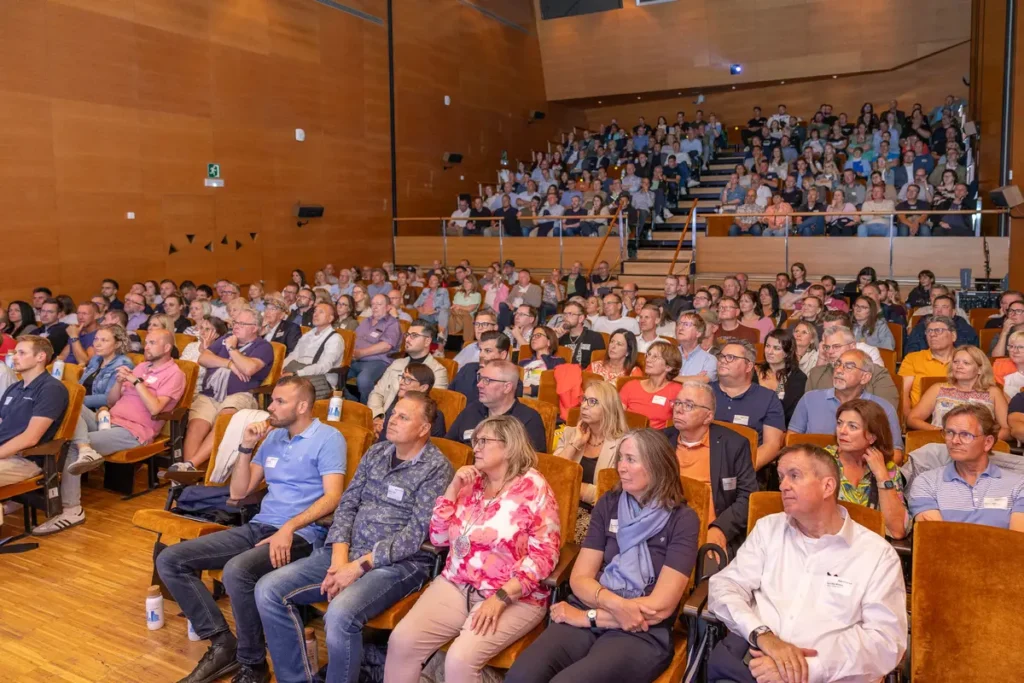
[990, 502]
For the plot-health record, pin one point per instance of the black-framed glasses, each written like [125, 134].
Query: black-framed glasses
[835, 347]
[482, 441]
[487, 381]
[416, 334]
[936, 331]
[729, 358]
[406, 379]
[687, 406]
[848, 365]
[589, 402]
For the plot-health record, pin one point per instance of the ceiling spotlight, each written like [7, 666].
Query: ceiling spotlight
[782, 82]
[638, 97]
[735, 69]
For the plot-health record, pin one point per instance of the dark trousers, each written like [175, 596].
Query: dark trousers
[233, 550]
[566, 654]
[726, 661]
[367, 374]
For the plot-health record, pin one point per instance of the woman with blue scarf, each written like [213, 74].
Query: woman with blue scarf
[628, 580]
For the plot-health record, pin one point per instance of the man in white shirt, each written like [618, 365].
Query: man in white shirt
[648, 322]
[613, 319]
[455, 227]
[319, 350]
[763, 192]
[811, 595]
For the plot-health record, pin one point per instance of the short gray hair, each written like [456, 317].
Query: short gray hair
[948, 322]
[257, 316]
[705, 388]
[749, 352]
[839, 330]
[863, 359]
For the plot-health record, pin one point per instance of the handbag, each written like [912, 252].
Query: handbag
[321, 384]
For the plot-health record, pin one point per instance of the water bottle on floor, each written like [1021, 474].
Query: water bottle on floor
[154, 608]
[311, 652]
[334, 407]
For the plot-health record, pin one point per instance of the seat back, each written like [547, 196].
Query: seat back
[280, 351]
[191, 372]
[183, 340]
[142, 335]
[450, 403]
[220, 426]
[548, 415]
[352, 412]
[897, 334]
[748, 433]
[985, 338]
[547, 390]
[349, 337]
[136, 358]
[450, 365]
[763, 503]
[601, 354]
[889, 361]
[565, 477]
[980, 316]
[920, 437]
[954, 564]
[562, 352]
[458, 454]
[589, 377]
[68, 423]
[634, 420]
[357, 441]
[823, 440]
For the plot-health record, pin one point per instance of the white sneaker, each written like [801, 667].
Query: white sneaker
[65, 520]
[88, 459]
[658, 220]
[667, 214]
[692, 183]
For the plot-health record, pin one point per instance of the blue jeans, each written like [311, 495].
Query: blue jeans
[873, 230]
[811, 226]
[278, 593]
[233, 550]
[755, 230]
[774, 232]
[367, 374]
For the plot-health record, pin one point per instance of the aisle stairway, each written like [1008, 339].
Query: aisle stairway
[650, 265]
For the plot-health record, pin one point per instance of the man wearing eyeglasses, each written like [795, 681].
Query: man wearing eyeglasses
[931, 362]
[494, 346]
[486, 320]
[612, 318]
[496, 395]
[815, 413]
[943, 306]
[837, 340]
[275, 327]
[729, 325]
[303, 313]
[135, 307]
[698, 364]
[417, 352]
[971, 489]
[714, 455]
[580, 341]
[742, 402]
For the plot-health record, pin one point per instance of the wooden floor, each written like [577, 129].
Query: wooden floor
[74, 609]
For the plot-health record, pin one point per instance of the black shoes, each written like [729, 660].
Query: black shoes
[252, 674]
[218, 661]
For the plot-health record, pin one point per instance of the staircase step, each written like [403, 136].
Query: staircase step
[705, 191]
[658, 254]
[722, 166]
[657, 269]
[670, 236]
[719, 181]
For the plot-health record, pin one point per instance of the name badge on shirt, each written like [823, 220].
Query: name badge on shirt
[658, 400]
[8, 400]
[728, 483]
[613, 526]
[375, 334]
[467, 434]
[396, 493]
[838, 586]
[992, 503]
[585, 347]
[152, 379]
[740, 419]
[271, 462]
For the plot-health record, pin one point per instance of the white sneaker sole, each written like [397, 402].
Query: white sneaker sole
[61, 525]
[85, 464]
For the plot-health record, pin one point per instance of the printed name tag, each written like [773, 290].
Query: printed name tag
[396, 493]
[375, 334]
[467, 434]
[8, 400]
[740, 419]
[996, 503]
[585, 347]
[658, 400]
[613, 526]
[152, 379]
[729, 483]
[839, 586]
[271, 462]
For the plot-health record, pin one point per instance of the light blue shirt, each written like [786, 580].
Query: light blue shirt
[815, 413]
[470, 353]
[699, 361]
[994, 497]
[294, 470]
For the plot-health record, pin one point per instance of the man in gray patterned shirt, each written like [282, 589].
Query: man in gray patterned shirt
[372, 557]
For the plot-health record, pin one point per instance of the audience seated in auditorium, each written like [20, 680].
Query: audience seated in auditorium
[524, 321]
[697, 364]
[303, 464]
[942, 306]
[371, 557]
[136, 396]
[377, 336]
[81, 334]
[497, 383]
[317, 352]
[780, 371]
[869, 324]
[620, 359]
[940, 334]
[648, 320]
[742, 402]
[417, 352]
[500, 512]
[827, 640]
[543, 346]
[836, 341]
[433, 304]
[1013, 317]
[653, 394]
[50, 327]
[576, 336]
[729, 326]
[613, 317]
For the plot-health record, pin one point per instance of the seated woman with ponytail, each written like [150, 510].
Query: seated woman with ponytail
[627, 581]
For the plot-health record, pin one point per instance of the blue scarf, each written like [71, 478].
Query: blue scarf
[631, 571]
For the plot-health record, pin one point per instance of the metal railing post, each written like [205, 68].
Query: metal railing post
[891, 231]
[561, 246]
[622, 240]
[501, 241]
[444, 240]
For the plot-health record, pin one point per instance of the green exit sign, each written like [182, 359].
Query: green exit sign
[213, 170]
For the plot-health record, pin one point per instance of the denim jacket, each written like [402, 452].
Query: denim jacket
[104, 378]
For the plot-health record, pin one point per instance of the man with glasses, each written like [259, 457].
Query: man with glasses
[496, 395]
[377, 337]
[837, 340]
[815, 413]
[108, 288]
[494, 346]
[50, 327]
[943, 306]
[1014, 316]
[275, 327]
[135, 307]
[228, 292]
[930, 362]
[698, 364]
[395, 304]
[997, 320]
[729, 326]
[302, 315]
[235, 364]
[580, 341]
[833, 319]
[742, 402]
[970, 489]
[486, 320]
[523, 324]
[319, 351]
[417, 352]
[612, 318]
[416, 378]
[714, 455]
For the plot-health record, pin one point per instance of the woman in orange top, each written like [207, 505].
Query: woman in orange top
[620, 359]
[653, 395]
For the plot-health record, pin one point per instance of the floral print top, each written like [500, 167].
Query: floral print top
[859, 493]
[515, 535]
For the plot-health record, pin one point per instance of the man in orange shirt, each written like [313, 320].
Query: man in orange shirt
[717, 456]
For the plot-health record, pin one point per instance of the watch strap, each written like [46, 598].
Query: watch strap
[366, 566]
[592, 616]
[502, 595]
[245, 451]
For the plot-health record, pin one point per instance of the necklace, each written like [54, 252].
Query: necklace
[461, 546]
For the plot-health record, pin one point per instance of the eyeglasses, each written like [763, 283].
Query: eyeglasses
[406, 379]
[936, 331]
[688, 406]
[241, 324]
[729, 358]
[485, 324]
[482, 441]
[685, 325]
[416, 334]
[849, 365]
[1015, 311]
[1014, 348]
[835, 347]
[965, 437]
[487, 381]
[589, 402]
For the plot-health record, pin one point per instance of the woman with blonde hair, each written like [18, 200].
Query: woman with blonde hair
[499, 517]
[969, 380]
[592, 443]
[464, 306]
[256, 294]
[1009, 371]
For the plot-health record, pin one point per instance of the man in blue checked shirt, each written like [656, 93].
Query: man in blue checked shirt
[970, 489]
[372, 558]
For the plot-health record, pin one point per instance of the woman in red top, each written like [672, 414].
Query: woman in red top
[653, 395]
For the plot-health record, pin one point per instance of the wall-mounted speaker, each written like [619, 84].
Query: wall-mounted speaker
[310, 211]
[1006, 197]
[536, 116]
[451, 159]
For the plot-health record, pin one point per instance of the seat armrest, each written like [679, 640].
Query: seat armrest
[433, 549]
[904, 547]
[185, 478]
[253, 498]
[566, 560]
[171, 415]
[326, 521]
[46, 449]
[695, 606]
[261, 390]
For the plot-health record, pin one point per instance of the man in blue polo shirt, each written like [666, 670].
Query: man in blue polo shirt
[815, 413]
[303, 463]
[742, 402]
[496, 389]
[698, 364]
[31, 410]
[970, 489]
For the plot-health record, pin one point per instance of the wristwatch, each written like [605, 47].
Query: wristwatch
[592, 615]
[245, 451]
[72, 339]
[757, 633]
[366, 566]
[135, 382]
[888, 484]
[502, 595]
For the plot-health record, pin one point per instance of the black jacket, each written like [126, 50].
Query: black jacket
[730, 463]
[287, 333]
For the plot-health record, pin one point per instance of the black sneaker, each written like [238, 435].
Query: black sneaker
[218, 661]
[252, 674]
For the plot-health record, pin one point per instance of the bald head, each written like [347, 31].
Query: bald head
[159, 343]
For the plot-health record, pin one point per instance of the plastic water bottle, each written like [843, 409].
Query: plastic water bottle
[103, 418]
[10, 359]
[58, 369]
[192, 635]
[334, 407]
[154, 608]
[311, 652]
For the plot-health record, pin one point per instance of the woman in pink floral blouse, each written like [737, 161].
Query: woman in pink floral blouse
[500, 519]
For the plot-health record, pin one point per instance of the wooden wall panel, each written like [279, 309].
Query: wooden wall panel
[691, 44]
